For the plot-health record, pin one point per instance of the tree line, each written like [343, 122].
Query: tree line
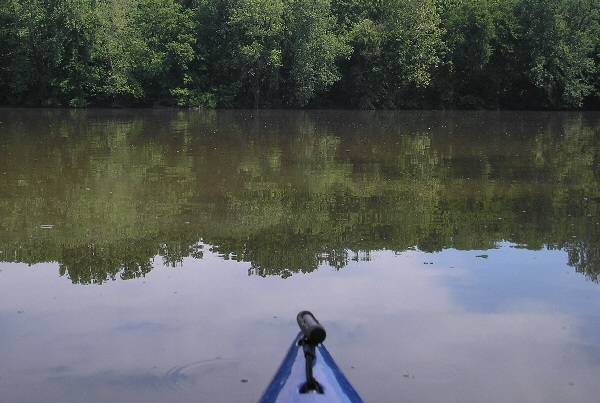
[368, 54]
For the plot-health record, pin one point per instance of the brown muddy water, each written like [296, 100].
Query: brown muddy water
[162, 255]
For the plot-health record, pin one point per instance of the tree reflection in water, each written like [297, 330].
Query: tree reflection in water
[104, 193]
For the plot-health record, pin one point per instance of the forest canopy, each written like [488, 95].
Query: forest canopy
[367, 54]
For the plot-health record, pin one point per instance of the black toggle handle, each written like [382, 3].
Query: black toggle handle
[312, 329]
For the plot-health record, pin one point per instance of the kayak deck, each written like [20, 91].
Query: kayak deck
[291, 377]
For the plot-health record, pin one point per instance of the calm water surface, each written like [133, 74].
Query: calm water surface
[162, 256]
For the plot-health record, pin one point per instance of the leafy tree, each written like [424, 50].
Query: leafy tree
[556, 42]
[168, 33]
[312, 48]
[301, 53]
[10, 41]
[414, 37]
[396, 49]
[120, 50]
[45, 52]
[351, 12]
[479, 67]
[219, 82]
[258, 28]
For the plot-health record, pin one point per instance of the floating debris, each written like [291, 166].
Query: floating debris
[482, 256]
[47, 226]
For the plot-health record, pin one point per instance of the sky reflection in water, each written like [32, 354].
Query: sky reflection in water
[418, 327]
[452, 256]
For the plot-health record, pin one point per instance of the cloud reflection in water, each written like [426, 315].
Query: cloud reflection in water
[399, 328]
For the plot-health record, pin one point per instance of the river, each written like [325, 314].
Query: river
[162, 255]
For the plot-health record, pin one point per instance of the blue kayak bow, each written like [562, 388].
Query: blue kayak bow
[308, 373]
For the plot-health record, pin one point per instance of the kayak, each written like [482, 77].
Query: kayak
[308, 373]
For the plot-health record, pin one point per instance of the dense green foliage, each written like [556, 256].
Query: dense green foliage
[540, 54]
